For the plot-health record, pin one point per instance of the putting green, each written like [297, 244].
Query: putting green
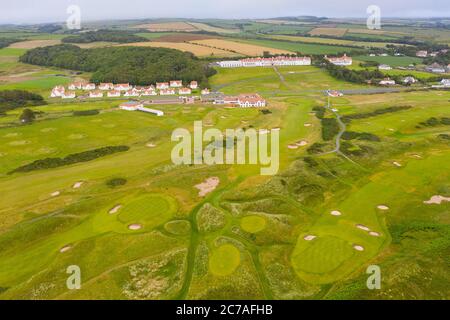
[149, 210]
[322, 255]
[224, 260]
[253, 224]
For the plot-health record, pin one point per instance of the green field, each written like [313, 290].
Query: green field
[309, 232]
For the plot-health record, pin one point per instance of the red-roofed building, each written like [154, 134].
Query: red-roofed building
[176, 84]
[340, 61]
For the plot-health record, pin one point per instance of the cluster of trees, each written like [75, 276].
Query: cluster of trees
[374, 113]
[433, 122]
[84, 113]
[135, 65]
[12, 99]
[355, 76]
[330, 128]
[104, 35]
[351, 135]
[90, 155]
[5, 42]
[49, 28]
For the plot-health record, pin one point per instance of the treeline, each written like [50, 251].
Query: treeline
[86, 156]
[104, 35]
[12, 99]
[5, 42]
[135, 65]
[351, 135]
[355, 76]
[375, 113]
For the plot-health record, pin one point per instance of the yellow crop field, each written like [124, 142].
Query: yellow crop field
[205, 27]
[338, 32]
[168, 26]
[200, 51]
[240, 48]
[330, 41]
[32, 44]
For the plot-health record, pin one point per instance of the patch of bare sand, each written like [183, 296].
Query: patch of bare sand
[115, 209]
[362, 227]
[135, 227]
[207, 186]
[55, 194]
[358, 248]
[78, 185]
[383, 207]
[65, 249]
[336, 213]
[437, 200]
[310, 238]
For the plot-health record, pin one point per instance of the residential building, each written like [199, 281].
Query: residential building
[122, 87]
[384, 67]
[69, 95]
[409, 80]
[89, 86]
[387, 82]
[149, 92]
[162, 85]
[340, 61]
[131, 93]
[422, 54]
[167, 92]
[185, 91]
[176, 84]
[77, 85]
[57, 92]
[114, 94]
[445, 82]
[106, 86]
[334, 93]
[205, 91]
[231, 64]
[435, 68]
[96, 94]
[193, 85]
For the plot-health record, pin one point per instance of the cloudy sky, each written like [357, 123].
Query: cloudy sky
[33, 11]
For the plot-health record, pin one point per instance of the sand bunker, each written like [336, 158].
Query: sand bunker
[78, 185]
[135, 227]
[308, 124]
[302, 143]
[336, 213]
[208, 186]
[65, 249]
[55, 194]
[358, 248]
[437, 200]
[292, 146]
[383, 207]
[77, 136]
[115, 209]
[397, 164]
[362, 227]
[374, 234]
[151, 145]
[19, 143]
[11, 135]
[310, 238]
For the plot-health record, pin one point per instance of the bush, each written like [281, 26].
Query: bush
[330, 128]
[86, 156]
[350, 135]
[84, 113]
[375, 113]
[13, 99]
[116, 182]
[27, 116]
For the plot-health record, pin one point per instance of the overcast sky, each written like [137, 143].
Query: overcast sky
[33, 11]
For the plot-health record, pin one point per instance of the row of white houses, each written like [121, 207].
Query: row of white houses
[125, 90]
[243, 100]
[266, 62]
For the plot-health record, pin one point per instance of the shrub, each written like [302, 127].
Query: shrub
[116, 182]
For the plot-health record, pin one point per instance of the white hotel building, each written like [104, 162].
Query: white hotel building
[266, 62]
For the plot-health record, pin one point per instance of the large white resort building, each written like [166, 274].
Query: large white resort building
[266, 62]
